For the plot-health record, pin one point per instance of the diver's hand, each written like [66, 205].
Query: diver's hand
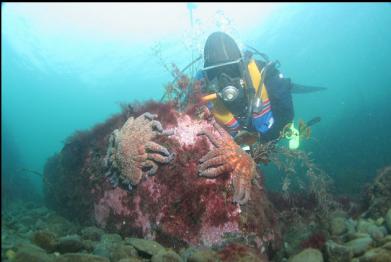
[245, 137]
[204, 113]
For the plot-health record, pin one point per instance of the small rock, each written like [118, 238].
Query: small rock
[241, 253]
[60, 226]
[337, 253]
[385, 240]
[203, 255]
[363, 226]
[120, 251]
[45, 239]
[31, 253]
[376, 255]
[307, 255]
[80, 257]
[388, 220]
[92, 233]
[357, 235]
[130, 259]
[27, 220]
[40, 211]
[351, 226]
[10, 254]
[148, 247]
[103, 249]
[376, 232]
[111, 238]
[28, 246]
[166, 256]
[70, 244]
[360, 245]
[338, 226]
[89, 245]
[379, 221]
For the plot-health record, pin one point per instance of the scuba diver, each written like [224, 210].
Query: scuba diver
[245, 95]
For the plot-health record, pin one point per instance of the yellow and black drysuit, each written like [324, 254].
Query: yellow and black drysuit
[275, 111]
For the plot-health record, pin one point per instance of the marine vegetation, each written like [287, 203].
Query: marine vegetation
[314, 184]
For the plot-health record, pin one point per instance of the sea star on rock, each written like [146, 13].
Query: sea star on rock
[228, 157]
[132, 154]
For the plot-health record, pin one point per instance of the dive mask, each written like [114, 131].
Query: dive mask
[230, 89]
[225, 79]
[232, 68]
[231, 92]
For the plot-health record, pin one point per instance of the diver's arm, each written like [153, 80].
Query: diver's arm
[233, 127]
[224, 117]
[262, 117]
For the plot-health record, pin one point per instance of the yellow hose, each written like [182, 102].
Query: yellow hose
[209, 97]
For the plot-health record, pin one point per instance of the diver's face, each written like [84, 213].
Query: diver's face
[221, 76]
[226, 80]
[232, 69]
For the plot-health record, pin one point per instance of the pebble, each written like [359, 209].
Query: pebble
[337, 253]
[360, 245]
[388, 220]
[338, 226]
[166, 256]
[45, 239]
[70, 244]
[307, 255]
[81, 257]
[149, 247]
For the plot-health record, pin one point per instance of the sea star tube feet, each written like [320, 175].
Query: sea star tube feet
[228, 157]
[132, 154]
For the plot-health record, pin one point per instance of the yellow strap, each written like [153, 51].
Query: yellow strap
[256, 78]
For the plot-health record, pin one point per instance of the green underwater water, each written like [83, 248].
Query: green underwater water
[56, 80]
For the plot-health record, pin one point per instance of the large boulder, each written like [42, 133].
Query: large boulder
[175, 207]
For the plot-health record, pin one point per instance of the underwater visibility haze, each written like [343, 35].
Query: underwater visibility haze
[81, 83]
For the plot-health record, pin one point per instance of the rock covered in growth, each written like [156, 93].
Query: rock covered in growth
[177, 204]
[45, 239]
[337, 253]
[379, 194]
[308, 255]
[175, 207]
[388, 219]
[148, 247]
[166, 255]
[338, 226]
[359, 245]
[70, 244]
[80, 257]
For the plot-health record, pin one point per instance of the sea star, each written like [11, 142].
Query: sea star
[132, 154]
[228, 157]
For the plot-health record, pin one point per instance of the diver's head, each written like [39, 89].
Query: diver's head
[223, 69]
[221, 55]
[220, 48]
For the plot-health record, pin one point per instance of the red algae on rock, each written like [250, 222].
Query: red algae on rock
[176, 205]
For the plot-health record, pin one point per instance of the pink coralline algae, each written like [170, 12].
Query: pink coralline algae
[171, 198]
[110, 202]
[177, 205]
